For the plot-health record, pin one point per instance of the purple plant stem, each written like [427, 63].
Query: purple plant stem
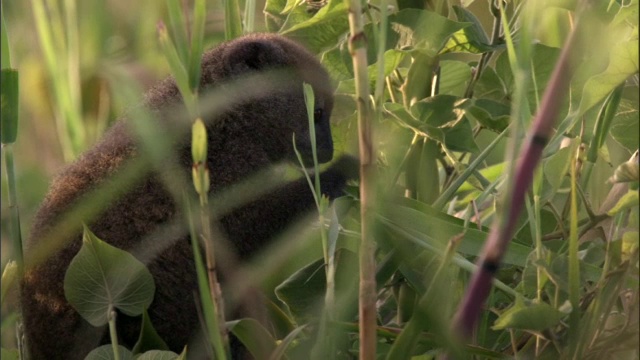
[504, 226]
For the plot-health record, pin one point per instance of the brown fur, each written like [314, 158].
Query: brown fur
[242, 140]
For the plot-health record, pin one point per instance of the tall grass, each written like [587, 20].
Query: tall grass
[450, 107]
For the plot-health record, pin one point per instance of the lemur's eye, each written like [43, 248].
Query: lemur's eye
[317, 115]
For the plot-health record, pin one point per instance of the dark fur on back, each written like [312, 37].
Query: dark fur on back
[248, 137]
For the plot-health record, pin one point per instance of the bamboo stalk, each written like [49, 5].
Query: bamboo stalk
[367, 297]
[504, 226]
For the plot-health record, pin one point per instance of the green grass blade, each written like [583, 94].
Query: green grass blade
[232, 19]
[178, 29]
[5, 50]
[197, 36]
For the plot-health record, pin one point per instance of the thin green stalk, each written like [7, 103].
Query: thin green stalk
[451, 189]
[484, 59]
[232, 19]
[178, 29]
[113, 334]
[367, 294]
[325, 344]
[574, 269]
[69, 123]
[208, 304]
[197, 40]
[249, 16]
[16, 234]
[601, 131]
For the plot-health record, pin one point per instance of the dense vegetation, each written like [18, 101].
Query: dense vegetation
[456, 91]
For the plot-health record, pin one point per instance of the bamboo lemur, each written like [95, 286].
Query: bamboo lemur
[251, 136]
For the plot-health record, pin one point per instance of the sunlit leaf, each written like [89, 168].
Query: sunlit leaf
[627, 201]
[536, 317]
[623, 62]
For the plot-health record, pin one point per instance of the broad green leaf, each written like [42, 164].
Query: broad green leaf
[303, 292]
[490, 114]
[471, 39]
[105, 352]
[535, 317]
[419, 79]
[273, 14]
[436, 228]
[101, 278]
[338, 63]
[454, 77]
[321, 31]
[446, 113]
[626, 127]
[158, 355]
[490, 86]
[433, 229]
[623, 62]
[254, 336]
[422, 30]
[557, 165]
[630, 242]
[627, 201]
[149, 338]
[542, 64]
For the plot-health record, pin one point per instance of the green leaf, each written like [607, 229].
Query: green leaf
[626, 127]
[105, 352]
[149, 338]
[556, 167]
[158, 355]
[422, 30]
[303, 292]
[5, 50]
[338, 63]
[254, 336]
[536, 317]
[321, 31]
[627, 171]
[435, 229]
[9, 275]
[471, 39]
[623, 62]
[280, 350]
[627, 201]
[439, 117]
[446, 113]
[419, 79]
[490, 114]
[9, 95]
[490, 86]
[273, 14]
[454, 76]
[542, 65]
[101, 278]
